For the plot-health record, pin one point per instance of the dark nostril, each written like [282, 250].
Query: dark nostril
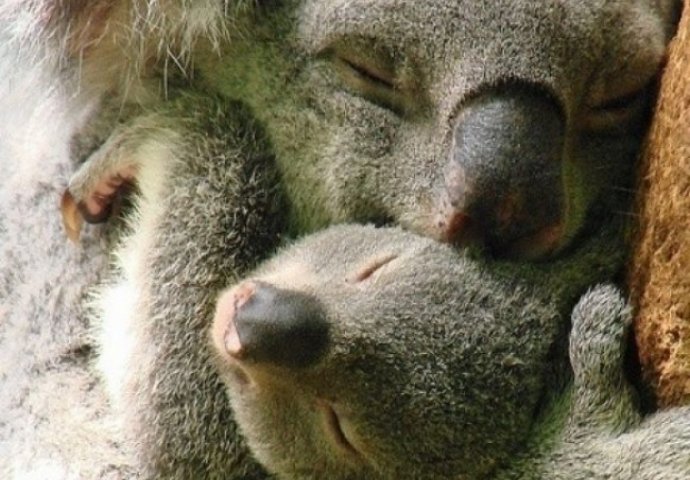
[272, 325]
[383, 221]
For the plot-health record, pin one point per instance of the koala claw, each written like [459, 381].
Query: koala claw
[72, 219]
[96, 207]
[105, 176]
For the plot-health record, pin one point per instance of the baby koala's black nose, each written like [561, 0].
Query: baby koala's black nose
[260, 323]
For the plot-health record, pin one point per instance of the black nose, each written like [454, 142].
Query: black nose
[503, 183]
[265, 324]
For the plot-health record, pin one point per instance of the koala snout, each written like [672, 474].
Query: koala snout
[259, 323]
[503, 183]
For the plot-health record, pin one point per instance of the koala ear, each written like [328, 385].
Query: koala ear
[603, 398]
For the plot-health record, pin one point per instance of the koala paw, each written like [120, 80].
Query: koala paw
[108, 166]
[600, 322]
[97, 191]
[603, 398]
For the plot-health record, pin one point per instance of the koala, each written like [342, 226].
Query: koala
[464, 121]
[191, 236]
[374, 353]
[504, 124]
[480, 124]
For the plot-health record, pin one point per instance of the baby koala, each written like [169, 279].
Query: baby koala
[374, 353]
[364, 353]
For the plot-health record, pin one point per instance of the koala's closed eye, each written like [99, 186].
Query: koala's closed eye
[616, 112]
[367, 271]
[375, 75]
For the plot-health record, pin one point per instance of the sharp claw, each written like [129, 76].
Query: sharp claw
[72, 219]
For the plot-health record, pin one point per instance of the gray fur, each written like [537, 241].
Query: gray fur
[347, 153]
[54, 417]
[218, 212]
[341, 157]
[595, 431]
[438, 360]
[439, 363]
[345, 157]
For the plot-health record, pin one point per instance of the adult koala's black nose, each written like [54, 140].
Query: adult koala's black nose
[260, 323]
[503, 183]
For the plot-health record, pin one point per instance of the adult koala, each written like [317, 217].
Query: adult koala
[499, 122]
[453, 120]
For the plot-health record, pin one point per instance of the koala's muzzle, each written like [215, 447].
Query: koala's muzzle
[503, 183]
[260, 323]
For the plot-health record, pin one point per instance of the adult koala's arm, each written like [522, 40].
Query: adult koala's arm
[207, 208]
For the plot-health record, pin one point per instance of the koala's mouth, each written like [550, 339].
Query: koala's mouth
[337, 431]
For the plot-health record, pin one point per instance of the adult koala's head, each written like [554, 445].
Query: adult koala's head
[498, 121]
[375, 353]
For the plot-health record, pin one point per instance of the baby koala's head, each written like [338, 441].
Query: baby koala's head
[374, 353]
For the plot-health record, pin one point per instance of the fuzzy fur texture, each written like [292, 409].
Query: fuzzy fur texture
[415, 354]
[54, 416]
[308, 70]
[661, 256]
[114, 46]
[595, 431]
[207, 206]
[423, 344]
[332, 131]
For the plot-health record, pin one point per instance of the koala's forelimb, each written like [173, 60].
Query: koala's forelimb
[207, 208]
[603, 398]
[112, 168]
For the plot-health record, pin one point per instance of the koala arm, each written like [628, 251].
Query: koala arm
[575, 437]
[600, 433]
[606, 436]
[206, 210]
[602, 398]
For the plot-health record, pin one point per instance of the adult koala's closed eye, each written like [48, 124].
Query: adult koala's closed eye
[374, 353]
